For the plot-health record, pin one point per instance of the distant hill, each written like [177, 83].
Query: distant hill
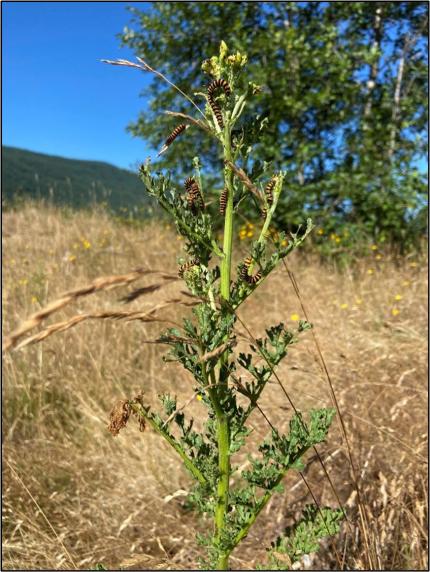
[68, 181]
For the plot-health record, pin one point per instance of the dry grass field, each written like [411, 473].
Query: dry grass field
[74, 496]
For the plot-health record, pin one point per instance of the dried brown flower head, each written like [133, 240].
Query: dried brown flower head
[119, 417]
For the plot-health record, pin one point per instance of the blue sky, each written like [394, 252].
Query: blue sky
[58, 98]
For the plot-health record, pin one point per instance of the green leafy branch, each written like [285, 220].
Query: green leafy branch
[204, 344]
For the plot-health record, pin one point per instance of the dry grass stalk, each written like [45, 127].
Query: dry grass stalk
[135, 294]
[144, 66]
[363, 515]
[188, 118]
[48, 522]
[217, 351]
[314, 448]
[105, 315]
[245, 179]
[102, 283]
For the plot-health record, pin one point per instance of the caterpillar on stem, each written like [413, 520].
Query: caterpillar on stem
[250, 279]
[212, 89]
[223, 202]
[194, 196]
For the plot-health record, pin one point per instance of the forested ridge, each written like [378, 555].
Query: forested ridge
[71, 182]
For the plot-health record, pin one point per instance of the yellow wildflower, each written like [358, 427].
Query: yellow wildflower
[284, 242]
[250, 234]
[294, 317]
[378, 257]
[199, 397]
[358, 301]
[34, 299]
[373, 247]
[23, 282]
[370, 271]
[86, 244]
[320, 231]
[395, 311]
[337, 239]
[398, 297]
[344, 306]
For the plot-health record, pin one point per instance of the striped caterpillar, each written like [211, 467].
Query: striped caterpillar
[244, 272]
[189, 182]
[194, 196]
[219, 83]
[175, 133]
[213, 87]
[268, 191]
[184, 267]
[223, 201]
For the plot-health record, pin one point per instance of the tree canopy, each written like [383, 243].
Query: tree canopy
[343, 98]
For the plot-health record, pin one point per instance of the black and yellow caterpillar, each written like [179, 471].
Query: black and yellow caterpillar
[223, 201]
[213, 87]
[194, 196]
[186, 266]
[251, 279]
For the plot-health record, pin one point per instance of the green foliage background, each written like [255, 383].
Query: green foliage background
[344, 91]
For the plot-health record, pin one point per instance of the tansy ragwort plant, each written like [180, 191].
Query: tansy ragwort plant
[228, 385]
[205, 344]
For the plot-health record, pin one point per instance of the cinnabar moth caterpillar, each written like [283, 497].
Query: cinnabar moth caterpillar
[251, 279]
[213, 87]
[184, 267]
[223, 201]
[268, 191]
[219, 83]
[177, 131]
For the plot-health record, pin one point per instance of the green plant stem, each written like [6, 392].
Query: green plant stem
[264, 500]
[262, 239]
[228, 222]
[224, 476]
[223, 429]
[223, 466]
[139, 410]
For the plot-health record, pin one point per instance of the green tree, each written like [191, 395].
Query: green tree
[344, 98]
